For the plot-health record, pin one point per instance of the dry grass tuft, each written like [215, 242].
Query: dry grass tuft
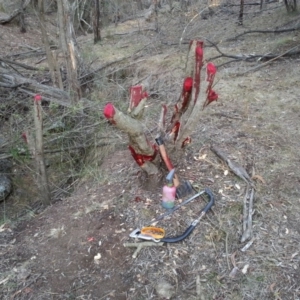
[57, 233]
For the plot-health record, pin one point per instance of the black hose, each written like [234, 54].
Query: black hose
[180, 237]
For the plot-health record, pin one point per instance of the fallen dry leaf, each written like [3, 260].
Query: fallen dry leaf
[258, 177]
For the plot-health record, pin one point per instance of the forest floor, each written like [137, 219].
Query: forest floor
[74, 249]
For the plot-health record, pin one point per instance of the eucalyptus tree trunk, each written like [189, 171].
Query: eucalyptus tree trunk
[46, 43]
[96, 21]
[291, 5]
[241, 14]
[68, 49]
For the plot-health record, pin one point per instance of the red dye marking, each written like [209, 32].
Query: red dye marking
[109, 111]
[140, 158]
[37, 97]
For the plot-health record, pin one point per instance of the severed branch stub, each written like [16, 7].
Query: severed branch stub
[139, 246]
[42, 178]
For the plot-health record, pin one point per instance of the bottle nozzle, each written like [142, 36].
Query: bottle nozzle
[170, 176]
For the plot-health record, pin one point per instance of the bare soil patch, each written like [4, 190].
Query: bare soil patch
[255, 121]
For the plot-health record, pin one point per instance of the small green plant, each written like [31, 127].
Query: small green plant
[20, 153]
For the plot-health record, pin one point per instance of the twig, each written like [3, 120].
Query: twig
[267, 62]
[235, 268]
[139, 246]
[226, 116]
[226, 248]
[194, 17]
[245, 209]
[10, 62]
[264, 31]
[198, 286]
[247, 246]
[247, 57]
[108, 294]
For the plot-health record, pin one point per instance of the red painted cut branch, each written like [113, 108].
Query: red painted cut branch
[142, 151]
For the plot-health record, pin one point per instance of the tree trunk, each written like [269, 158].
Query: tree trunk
[156, 3]
[262, 4]
[96, 22]
[24, 3]
[241, 15]
[46, 43]
[291, 5]
[68, 48]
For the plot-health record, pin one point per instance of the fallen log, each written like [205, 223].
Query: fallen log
[9, 79]
[4, 18]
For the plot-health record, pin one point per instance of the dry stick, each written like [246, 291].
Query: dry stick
[248, 245]
[267, 62]
[234, 167]
[108, 294]
[10, 62]
[198, 286]
[73, 149]
[247, 234]
[226, 248]
[245, 209]
[250, 212]
[235, 268]
[264, 31]
[139, 246]
[185, 28]
[246, 57]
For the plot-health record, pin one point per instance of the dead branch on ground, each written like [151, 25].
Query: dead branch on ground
[9, 79]
[251, 57]
[140, 246]
[249, 196]
[237, 169]
[275, 31]
[4, 19]
[10, 62]
[290, 52]
[247, 215]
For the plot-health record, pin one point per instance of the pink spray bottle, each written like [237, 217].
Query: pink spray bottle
[169, 191]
